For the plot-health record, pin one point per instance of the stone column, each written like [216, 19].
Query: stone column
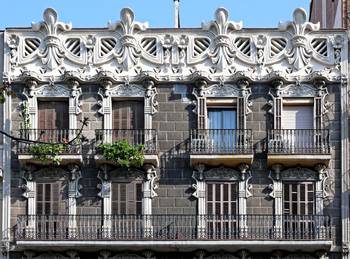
[148, 189]
[73, 194]
[106, 110]
[74, 108]
[29, 188]
[278, 199]
[200, 188]
[105, 193]
[243, 195]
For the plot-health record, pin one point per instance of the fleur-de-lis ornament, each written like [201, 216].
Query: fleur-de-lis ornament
[223, 53]
[52, 54]
[130, 51]
[299, 55]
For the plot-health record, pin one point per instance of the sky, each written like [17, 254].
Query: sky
[159, 13]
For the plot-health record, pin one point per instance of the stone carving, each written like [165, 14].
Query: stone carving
[299, 55]
[52, 55]
[74, 177]
[299, 174]
[104, 185]
[130, 52]
[27, 179]
[151, 179]
[12, 43]
[222, 173]
[223, 53]
[260, 43]
[55, 90]
[338, 43]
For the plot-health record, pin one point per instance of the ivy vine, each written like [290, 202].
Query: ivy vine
[123, 154]
[47, 153]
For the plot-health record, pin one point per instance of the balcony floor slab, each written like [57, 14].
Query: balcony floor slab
[148, 159]
[298, 159]
[221, 160]
[179, 246]
[65, 159]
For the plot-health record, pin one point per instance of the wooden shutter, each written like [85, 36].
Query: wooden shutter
[53, 115]
[128, 115]
[49, 199]
[299, 198]
[126, 198]
[241, 113]
[318, 112]
[201, 113]
[222, 198]
[278, 112]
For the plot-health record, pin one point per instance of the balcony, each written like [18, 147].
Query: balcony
[176, 232]
[68, 153]
[146, 137]
[303, 147]
[226, 147]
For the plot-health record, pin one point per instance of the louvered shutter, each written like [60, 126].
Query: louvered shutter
[318, 112]
[278, 112]
[241, 113]
[126, 198]
[53, 115]
[128, 115]
[201, 113]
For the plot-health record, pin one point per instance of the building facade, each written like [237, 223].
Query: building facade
[244, 134]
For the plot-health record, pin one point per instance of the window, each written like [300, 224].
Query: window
[49, 199]
[221, 118]
[128, 115]
[222, 198]
[299, 198]
[222, 207]
[297, 117]
[126, 198]
[53, 115]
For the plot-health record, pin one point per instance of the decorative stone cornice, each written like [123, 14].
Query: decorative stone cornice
[128, 51]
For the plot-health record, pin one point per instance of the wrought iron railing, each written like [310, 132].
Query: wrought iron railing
[146, 137]
[298, 141]
[59, 136]
[221, 141]
[173, 227]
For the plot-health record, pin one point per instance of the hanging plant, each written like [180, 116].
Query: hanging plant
[123, 154]
[47, 153]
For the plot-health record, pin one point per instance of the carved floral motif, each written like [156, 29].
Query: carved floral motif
[299, 55]
[223, 53]
[130, 51]
[52, 55]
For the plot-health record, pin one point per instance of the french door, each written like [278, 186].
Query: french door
[299, 208]
[50, 224]
[222, 134]
[222, 207]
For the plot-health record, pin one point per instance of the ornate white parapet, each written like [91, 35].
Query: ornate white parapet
[128, 52]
